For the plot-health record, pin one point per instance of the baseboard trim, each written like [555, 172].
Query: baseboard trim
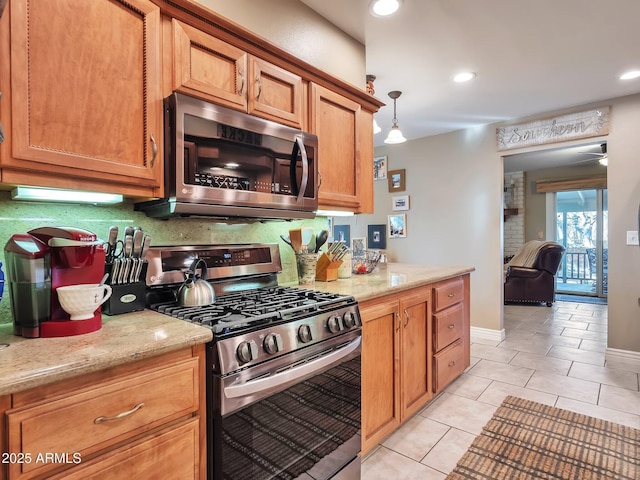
[622, 356]
[487, 334]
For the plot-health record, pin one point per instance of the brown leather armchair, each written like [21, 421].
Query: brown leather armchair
[533, 281]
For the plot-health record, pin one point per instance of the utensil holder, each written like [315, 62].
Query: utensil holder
[327, 269]
[126, 297]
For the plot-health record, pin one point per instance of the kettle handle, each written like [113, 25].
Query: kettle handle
[194, 266]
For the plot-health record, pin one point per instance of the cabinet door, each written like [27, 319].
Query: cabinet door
[275, 94]
[85, 94]
[208, 67]
[416, 351]
[380, 364]
[170, 454]
[337, 122]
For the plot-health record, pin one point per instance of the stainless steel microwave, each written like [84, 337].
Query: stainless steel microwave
[223, 163]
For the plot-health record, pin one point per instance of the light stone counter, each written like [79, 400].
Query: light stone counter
[28, 363]
[32, 362]
[384, 280]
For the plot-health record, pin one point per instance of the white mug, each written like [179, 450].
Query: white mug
[82, 301]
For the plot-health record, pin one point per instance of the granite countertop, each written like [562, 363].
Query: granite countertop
[387, 279]
[28, 363]
[32, 362]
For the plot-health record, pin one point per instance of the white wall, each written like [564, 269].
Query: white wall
[299, 30]
[454, 182]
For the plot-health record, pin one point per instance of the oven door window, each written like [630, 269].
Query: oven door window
[312, 427]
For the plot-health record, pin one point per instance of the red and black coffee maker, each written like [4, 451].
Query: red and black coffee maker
[39, 262]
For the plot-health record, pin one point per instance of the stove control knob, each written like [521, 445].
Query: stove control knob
[333, 324]
[272, 343]
[247, 351]
[304, 333]
[349, 320]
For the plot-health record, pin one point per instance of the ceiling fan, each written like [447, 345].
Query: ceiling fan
[604, 158]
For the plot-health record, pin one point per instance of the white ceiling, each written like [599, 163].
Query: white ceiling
[531, 57]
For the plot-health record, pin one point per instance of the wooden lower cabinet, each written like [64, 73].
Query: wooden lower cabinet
[396, 362]
[410, 353]
[380, 367]
[141, 420]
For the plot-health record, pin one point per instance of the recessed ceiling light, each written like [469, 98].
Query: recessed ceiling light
[383, 8]
[630, 75]
[464, 77]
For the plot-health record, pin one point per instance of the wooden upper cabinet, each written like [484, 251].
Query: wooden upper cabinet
[205, 66]
[275, 94]
[210, 68]
[85, 95]
[337, 122]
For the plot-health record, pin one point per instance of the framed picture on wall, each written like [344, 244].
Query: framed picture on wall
[330, 229]
[380, 168]
[358, 246]
[377, 236]
[401, 202]
[396, 180]
[397, 225]
[341, 233]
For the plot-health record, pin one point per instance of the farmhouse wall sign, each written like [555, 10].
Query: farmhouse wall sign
[591, 123]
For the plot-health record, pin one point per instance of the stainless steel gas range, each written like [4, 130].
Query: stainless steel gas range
[283, 387]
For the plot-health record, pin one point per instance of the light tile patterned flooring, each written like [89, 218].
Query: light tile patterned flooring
[550, 355]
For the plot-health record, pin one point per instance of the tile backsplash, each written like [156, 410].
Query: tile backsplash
[20, 216]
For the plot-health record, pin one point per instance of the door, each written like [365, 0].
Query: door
[581, 218]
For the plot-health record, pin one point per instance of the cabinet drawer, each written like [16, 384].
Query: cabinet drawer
[448, 364]
[448, 294]
[170, 454]
[102, 414]
[447, 326]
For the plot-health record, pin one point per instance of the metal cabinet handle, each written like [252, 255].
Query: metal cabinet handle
[320, 180]
[396, 319]
[452, 295]
[241, 73]
[154, 150]
[119, 416]
[452, 326]
[259, 87]
[452, 363]
[407, 318]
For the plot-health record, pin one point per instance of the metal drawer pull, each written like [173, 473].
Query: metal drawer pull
[452, 326]
[452, 363]
[120, 415]
[406, 316]
[452, 295]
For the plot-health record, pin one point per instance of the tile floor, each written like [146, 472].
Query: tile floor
[550, 355]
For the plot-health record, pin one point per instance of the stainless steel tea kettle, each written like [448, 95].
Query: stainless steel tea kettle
[196, 291]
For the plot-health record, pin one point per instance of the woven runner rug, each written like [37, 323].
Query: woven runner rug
[528, 440]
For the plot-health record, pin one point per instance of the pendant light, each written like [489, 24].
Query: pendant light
[395, 135]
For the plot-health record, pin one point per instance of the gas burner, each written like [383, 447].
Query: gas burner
[232, 317]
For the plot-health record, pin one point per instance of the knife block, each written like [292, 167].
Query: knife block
[327, 269]
[125, 297]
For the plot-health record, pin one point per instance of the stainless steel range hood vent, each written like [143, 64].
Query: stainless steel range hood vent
[171, 208]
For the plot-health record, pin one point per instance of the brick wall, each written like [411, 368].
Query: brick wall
[514, 224]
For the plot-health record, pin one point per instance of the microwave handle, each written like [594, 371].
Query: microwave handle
[298, 147]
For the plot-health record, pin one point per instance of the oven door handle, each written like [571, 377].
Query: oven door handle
[260, 385]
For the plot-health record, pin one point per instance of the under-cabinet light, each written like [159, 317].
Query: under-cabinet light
[56, 195]
[334, 213]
